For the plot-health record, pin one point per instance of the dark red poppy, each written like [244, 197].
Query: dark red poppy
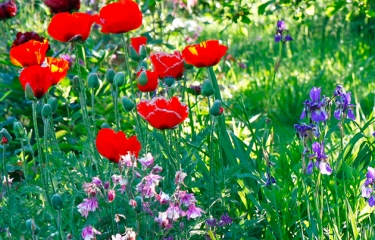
[112, 145]
[59, 6]
[8, 9]
[59, 68]
[152, 81]
[39, 78]
[168, 65]
[137, 42]
[22, 38]
[162, 113]
[204, 54]
[120, 17]
[66, 27]
[30, 53]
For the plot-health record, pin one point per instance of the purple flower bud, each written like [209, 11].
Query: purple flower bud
[211, 222]
[278, 37]
[225, 220]
[288, 38]
[197, 89]
[280, 25]
[242, 65]
[371, 201]
[106, 185]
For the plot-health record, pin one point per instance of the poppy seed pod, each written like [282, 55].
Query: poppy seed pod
[119, 79]
[216, 109]
[127, 104]
[57, 202]
[142, 78]
[105, 125]
[18, 130]
[29, 93]
[93, 80]
[75, 83]
[207, 89]
[46, 110]
[31, 226]
[109, 75]
[169, 81]
[53, 103]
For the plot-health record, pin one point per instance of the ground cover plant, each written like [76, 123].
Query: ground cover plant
[187, 119]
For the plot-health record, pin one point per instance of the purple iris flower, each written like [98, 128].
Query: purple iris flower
[225, 220]
[373, 134]
[321, 159]
[343, 104]
[315, 107]
[288, 38]
[371, 201]
[280, 25]
[303, 129]
[280, 30]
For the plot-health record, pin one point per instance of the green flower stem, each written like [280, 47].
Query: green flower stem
[93, 108]
[228, 156]
[53, 136]
[5, 173]
[191, 123]
[24, 163]
[59, 223]
[40, 153]
[115, 103]
[46, 144]
[128, 66]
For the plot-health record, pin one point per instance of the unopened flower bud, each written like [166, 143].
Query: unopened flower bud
[127, 104]
[142, 51]
[142, 78]
[53, 103]
[31, 226]
[207, 89]
[46, 110]
[216, 109]
[119, 79]
[169, 81]
[111, 195]
[57, 202]
[18, 130]
[29, 93]
[75, 83]
[133, 54]
[5, 138]
[106, 185]
[93, 80]
[188, 66]
[132, 203]
[142, 65]
[105, 125]
[109, 75]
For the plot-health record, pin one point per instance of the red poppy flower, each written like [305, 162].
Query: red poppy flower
[152, 81]
[113, 145]
[120, 17]
[66, 27]
[168, 65]
[39, 78]
[22, 38]
[30, 53]
[137, 42]
[59, 68]
[59, 6]
[162, 113]
[8, 9]
[204, 54]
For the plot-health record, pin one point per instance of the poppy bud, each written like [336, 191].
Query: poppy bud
[62, 6]
[142, 78]
[127, 104]
[57, 202]
[31, 226]
[5, 138]
[75, 83]
[46, 110]
[216, 109]
[8, 9]
[18, 130]
[142, 51]
[93, 80]
[207, 89]
[53, 103]
[29, 93]
[188, 66]
[119, 79]
[109, 75]
[142, 65]
[169, 81]
[133, 54]
[105, 125]
[38, 108]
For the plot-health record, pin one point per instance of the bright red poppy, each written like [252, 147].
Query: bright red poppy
[112, 145]
[59, 68]
[120, 17]
[30, 53]
[39, 78]
[137, 42]
[8, 9]
[204, 54]
[152, 81]
[22, 38]
[168, 65]
[59, 6]
[66, 27]
[162, 113]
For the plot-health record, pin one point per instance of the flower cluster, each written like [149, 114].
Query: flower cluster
[368, 186]
[344, 109]
[280, 32]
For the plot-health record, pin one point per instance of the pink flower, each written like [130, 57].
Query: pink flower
[111, 195]
[116, 178]
[186, 198]
[147, 161]
[97, 181]
[133, 203]
[157, 169]
[89, 233]
[193, 212]
[163, 197]
[126, 160]
[180, 176]
[174, 212]
[163, 220]
[88, 205]
[147, 186]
